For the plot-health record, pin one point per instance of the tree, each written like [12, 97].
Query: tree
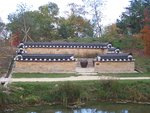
[40, 25]
[65, 28]
[111, 31]
[75, 26]
[78, 10]
[49, 20]
[131, 20]
[146, 31]
[19, 20]
[95, 7]
[4, 32]
[2, 27]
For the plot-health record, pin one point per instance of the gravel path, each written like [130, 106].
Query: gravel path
[78, 78]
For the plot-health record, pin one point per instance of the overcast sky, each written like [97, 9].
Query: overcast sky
[112, 9]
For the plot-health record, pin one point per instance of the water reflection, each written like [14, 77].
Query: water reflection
[99, 108]
[88, 110]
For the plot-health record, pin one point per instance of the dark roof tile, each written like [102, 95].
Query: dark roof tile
[63, 45]
[115, 57]
[45, 57]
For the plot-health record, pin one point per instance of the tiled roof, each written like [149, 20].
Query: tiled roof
[113, 50]
[63, 45]
[45, 57]
[115, 57]
[20, 51]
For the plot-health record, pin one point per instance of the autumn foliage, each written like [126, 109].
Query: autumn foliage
[146, 31]
[14, 41]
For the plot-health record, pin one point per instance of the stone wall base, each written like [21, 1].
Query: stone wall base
[44, 67]
[114, 67]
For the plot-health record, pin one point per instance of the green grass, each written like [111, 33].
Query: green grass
[142, 63]
[54, 75]
[70, 92]
[42, 75]
[126, 74]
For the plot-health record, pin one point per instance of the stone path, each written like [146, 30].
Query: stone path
[78, 78]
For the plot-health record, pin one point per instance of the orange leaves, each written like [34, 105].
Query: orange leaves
[146, 32]
[14, 40]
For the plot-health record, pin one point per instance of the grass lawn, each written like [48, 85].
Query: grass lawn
[32, 93]
[126, 74]
[142, 63]
[42, 75]
[62, 75]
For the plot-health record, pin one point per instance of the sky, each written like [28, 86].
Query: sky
[111, 10]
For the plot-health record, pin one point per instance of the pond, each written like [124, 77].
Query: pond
[92, 108]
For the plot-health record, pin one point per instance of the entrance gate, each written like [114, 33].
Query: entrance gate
[85, 66]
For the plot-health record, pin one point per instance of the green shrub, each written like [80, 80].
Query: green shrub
[72, 92]
[124, 42]
[67, 93]
[111, 88]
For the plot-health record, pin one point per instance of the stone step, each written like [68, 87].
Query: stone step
[84, 70]
[88, 73]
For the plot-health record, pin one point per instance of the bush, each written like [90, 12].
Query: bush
[110, 89]
[67, 93]
[122, 42]
[70, 93]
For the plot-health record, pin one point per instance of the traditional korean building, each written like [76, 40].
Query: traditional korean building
[63, 57]
[45, 63]
[78, 49]
[114, 63]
